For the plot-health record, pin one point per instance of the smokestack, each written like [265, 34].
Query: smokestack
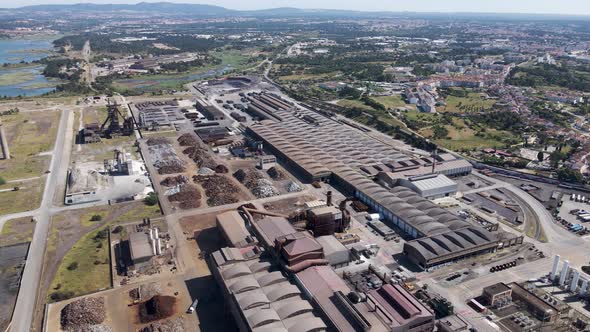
[151, 235]
[4, 143]
[563, 275]
[555, 266]
[329, 198]
[156, 236]
[159, 247]
[574, 284]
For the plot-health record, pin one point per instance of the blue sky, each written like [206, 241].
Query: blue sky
[500, 6]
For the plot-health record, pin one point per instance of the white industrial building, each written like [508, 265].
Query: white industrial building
[430, 186]
[334, 251]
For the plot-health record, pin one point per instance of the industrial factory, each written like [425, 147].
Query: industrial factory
[320, 148]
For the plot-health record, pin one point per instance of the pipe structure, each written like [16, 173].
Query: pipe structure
[574, 284]
[159, 247]
[555, 266]
[563, 275]
[584, 287]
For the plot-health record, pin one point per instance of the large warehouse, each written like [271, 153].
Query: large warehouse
[323, 149]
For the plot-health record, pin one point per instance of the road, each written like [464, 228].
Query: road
[27, 296]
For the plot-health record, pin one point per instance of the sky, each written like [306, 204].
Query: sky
[578, 7]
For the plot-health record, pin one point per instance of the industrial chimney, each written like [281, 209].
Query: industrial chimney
[329, 198]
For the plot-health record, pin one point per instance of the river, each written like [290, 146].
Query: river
[25, 80]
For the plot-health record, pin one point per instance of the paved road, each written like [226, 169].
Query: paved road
[27, 296]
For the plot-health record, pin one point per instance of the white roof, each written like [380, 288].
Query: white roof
[433, 181]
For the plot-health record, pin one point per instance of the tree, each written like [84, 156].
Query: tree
[439, 132]
[2, 181]
[540, 156]
[569, 175]
[96, 217]
[73, 266]
[151, 199]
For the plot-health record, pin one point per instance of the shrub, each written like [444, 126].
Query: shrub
[73, 266]
[2, 181]
[151, 199]
[96, 217]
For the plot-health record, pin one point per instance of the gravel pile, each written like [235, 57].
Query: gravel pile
[294, 187]
[83, 312]
[264, 188]
[255, 181]
[172, 325]
[189, 197]
[219, 189]
[172, 181]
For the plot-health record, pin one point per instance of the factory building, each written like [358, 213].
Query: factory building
[431, 186]
[260, 297]
[295, 250]
[334, 251]
[452, 323]
[209, 111]
[141, 248]
[497, 295]
[328, 150]
[233, 230]
[389, 308]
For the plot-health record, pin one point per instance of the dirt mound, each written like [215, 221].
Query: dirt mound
[156, 308]
[172, 181]
[83, 312]
[189, 197]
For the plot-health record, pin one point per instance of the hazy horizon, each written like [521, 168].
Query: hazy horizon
[565, 7]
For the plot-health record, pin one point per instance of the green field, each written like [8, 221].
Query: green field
[474, 102]
[27, 198]
[28, 135]
[89, 252]
[354, 103]
[461, 137]
[392, 102]
[91, 255]
[17, 231]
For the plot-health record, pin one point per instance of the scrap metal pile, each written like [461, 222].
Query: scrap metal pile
[189, 197]
[167, 162]
[197, 151]
[219, 189]
[275, 173]
[172, 181]
[256, 182]
[80, 315]
[171, 325]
